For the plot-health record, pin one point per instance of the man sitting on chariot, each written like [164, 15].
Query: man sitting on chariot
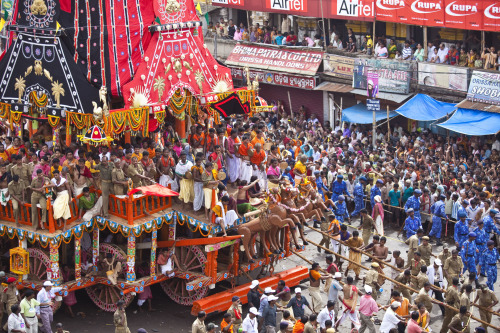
[164, 262]
[225, 218]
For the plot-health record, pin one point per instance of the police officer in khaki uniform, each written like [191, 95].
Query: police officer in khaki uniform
[487, 299]
[17, 191]
[199, 324]
[451, 298]
[425, 250]
[415, 264]
[105, 168]
[371, 279]
[120, 181]
[460, 322]
[20, 169]
[419, 281]
[453, 267]
[404, 278]
[136, 172]
[38, 197]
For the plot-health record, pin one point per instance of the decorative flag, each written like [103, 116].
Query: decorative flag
[3, 20]
[198, 8]
[58, 26]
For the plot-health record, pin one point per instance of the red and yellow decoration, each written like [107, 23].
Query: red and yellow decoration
[95, 136]
[19, 261]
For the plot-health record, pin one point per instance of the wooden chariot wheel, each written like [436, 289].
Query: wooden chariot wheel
[192, 260]
[39, 265]
[105, 296]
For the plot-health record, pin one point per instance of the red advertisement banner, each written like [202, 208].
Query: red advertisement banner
[426, 12]
[391, 10]
[280, 79]
[464, 14]
[491, 15]
[276, 59]
[359, 10]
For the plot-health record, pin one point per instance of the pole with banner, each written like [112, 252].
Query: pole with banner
[388, 126]
[374, 106]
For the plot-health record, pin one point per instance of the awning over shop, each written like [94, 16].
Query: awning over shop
[334, 87]
[359, 114]
[466, 104]
[424, 108]
[398, 98]
[473, 122]
[291, 60]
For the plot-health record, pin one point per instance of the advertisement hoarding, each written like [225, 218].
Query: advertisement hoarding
[443, 76]
[393, 76]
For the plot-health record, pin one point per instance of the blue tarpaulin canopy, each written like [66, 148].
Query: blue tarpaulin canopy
[359, 114]
[424, 108]
[473, 122]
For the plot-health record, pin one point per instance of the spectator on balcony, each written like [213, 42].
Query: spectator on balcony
[435, 57]
[267, 36]
[398, 56]
[308, 41]
[498, 60]
[443, 54]
[350, 34]
[462, 58]
[337, 42]
[453, 55]
[211, 31]
[392, 49]
[318, 40]
[291, 39]
[351, 46]
[245, 35]
[334, 33]
[231, 29]
[407, 51]
[274, 33]
[489, 56]
[430, 51]
[253, 35]
[382, 50]
[471, 58]
[364, 45]
[237, 34]
[419, 54]
[279, 38]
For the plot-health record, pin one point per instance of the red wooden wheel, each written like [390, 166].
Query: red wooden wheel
[39, 264]
[192, 260]
[105, 296]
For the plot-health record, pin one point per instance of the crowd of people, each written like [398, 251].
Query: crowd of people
[417, 182]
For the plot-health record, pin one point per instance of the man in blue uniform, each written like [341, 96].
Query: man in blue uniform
[461, 229]
[463, 206]
[339, 187]
[489, 223]
[481, 239]
[489, 260]
[414, 202]
[469, 253]
[320, 186]
[438, 215]
[376, 191]
[359, 196]
[340, 210]
[412, 223]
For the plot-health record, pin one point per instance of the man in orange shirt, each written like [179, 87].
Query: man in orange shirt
[16, 145]
[198, 140]
[259, 138]
[245, 152]
[258, 160]
[4, 155]
[226, 324]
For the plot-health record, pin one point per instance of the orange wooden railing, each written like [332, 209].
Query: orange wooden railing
[128, 208]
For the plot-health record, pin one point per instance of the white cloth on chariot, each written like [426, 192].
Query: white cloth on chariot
[262, 176]
[168, 267]
[246, 170]
[4, 198]
[61, 204]
[94, 211]
[227, 217]
[77, 190]
[233, 168]
[165, 180]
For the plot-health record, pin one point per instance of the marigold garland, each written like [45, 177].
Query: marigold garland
[38, 102]
[53, 120]
[4, 110]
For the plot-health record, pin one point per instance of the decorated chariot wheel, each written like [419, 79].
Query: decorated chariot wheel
[192, 260]
[40, 270]
[105, 296]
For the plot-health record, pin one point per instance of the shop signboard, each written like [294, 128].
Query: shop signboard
[443, 76]
[338, 66]
[281, 79]
[393, 76]
[373, 105]
[484, 87]
[360, 10]
[289, 60]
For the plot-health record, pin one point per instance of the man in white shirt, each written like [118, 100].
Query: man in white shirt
[435, 275]
[44, 297]
[430, 51]
[443, 54]
[250, 324]
[391, 319]
[326, 314]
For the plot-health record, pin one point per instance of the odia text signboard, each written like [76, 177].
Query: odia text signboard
[289, 60]
[338, 66]
[484, 87]
[443, 76]
[275, 78]
[393, 76]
